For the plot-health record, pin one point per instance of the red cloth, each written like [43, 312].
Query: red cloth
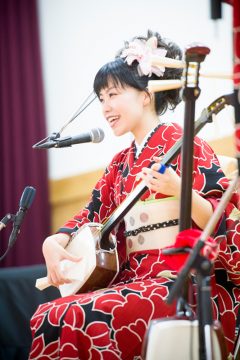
[189, 238]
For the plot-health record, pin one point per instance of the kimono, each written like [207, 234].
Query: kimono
[111, 323]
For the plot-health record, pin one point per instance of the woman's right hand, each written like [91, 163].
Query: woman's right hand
[54, 252]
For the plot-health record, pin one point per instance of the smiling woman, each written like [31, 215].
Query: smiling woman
[122, 107]
[110, 323]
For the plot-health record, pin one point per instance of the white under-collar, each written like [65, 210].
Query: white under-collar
[140, 146]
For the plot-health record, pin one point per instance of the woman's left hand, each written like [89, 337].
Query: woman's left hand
[168, 183]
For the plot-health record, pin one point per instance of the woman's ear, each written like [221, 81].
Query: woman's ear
[148, 98]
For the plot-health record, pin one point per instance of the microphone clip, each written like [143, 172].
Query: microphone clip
[6, 219]
[54, 143]
[47, 142]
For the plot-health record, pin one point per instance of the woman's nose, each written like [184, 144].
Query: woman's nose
[106, 107]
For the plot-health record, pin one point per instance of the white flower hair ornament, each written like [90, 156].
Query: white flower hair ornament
[142, 51]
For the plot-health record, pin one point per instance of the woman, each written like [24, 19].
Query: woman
[111, 323]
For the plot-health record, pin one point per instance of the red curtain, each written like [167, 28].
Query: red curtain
[22, 123]
[236, 42]
[236, 74]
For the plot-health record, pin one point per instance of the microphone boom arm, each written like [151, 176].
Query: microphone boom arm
[56, 135]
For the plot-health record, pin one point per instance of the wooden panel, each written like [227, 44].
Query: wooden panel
[224, 146]
[69, 195]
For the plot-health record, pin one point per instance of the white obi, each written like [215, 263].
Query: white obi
[141, 222]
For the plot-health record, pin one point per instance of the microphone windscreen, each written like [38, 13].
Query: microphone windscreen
[27, 197]
[97, 135]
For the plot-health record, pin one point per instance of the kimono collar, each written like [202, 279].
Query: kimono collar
[139, 148]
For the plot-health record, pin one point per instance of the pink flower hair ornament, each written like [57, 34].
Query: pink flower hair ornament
[142, 51]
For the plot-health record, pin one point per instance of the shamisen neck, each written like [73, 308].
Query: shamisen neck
[119, 213]
[132, 198]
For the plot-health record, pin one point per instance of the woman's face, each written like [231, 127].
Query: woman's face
[122, 108]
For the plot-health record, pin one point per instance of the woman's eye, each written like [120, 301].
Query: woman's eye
[112, 94]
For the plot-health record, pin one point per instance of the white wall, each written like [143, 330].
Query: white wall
[79, 36]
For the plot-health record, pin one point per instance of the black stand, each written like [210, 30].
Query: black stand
[205, 321]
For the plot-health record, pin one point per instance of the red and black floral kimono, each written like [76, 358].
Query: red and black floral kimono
[111, 323]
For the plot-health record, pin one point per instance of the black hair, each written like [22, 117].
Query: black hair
[120, 73]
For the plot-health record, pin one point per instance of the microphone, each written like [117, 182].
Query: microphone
[24, 204]
[95, 136]
[216, 9]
